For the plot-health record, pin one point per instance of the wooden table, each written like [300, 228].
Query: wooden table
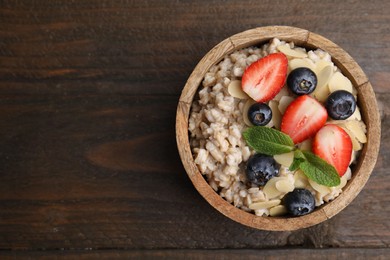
[88, 162]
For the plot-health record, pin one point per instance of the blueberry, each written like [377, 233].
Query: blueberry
[340, 105]
[302, 81]
[299, 202]
[259, 114]
[260, 168]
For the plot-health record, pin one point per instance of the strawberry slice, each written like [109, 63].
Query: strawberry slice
[303, 118]
[333, 145]
[264, 78]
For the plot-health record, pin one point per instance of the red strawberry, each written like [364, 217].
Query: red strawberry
[303, 118]
[264, 78]
[333, 145]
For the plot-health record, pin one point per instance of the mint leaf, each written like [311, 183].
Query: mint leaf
[295, 164]
[298, 159]
[319, 170]
[269, 141]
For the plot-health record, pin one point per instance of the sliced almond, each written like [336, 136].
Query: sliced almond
[270, 190]
[324, 76]
[321, 93]
[348, 174]
[322, 64]
[353, 157]
[323, 190]
[236, 91]
[262, 212]
[299, 63]
[356, 115]
[258, 196]
[284, 186]
[358, 129]
[300, 180]
[245, 109]
[306, 145]
[356, 145]
[322, 90]
[300, 49]
[284, 159]
[291, 52]
[282, 92]
[264, 204]
[276, 115]
[271, 122]
[284, 102]
[339, 82]
[278, 210]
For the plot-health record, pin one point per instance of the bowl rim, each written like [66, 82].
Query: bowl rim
[366, 101]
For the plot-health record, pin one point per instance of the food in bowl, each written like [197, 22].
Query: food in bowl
[235, 105]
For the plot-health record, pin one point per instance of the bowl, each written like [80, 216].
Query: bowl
[366, 101]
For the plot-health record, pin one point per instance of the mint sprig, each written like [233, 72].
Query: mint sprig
[270, 141]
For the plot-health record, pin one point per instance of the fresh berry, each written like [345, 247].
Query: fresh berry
[333, 145]
[340, 105]
[303, 118]
[260, 168]
[302, 81]
[259, 114]
[299, 202]
[264, 78]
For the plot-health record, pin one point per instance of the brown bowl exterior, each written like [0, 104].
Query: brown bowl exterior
[366, 102]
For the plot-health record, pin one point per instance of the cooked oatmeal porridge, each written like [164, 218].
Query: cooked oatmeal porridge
[219, 116]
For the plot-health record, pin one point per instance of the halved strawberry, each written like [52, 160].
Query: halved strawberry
[303, 118]
[333, 145]
[264, 78]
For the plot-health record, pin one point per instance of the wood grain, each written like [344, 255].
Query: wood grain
[341, 253]
[88, 97]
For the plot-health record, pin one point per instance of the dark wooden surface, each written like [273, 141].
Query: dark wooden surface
[88, 160]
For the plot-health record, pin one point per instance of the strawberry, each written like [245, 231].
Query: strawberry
[264, 78]
[333, 145]
[303, 118]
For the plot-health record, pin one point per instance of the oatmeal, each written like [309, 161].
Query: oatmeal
[220, 116]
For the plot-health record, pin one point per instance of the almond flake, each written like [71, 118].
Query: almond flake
[284, 186]
[278, 210]
[236, 91]
[340, 82]
[264, 204]
[291, 52]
